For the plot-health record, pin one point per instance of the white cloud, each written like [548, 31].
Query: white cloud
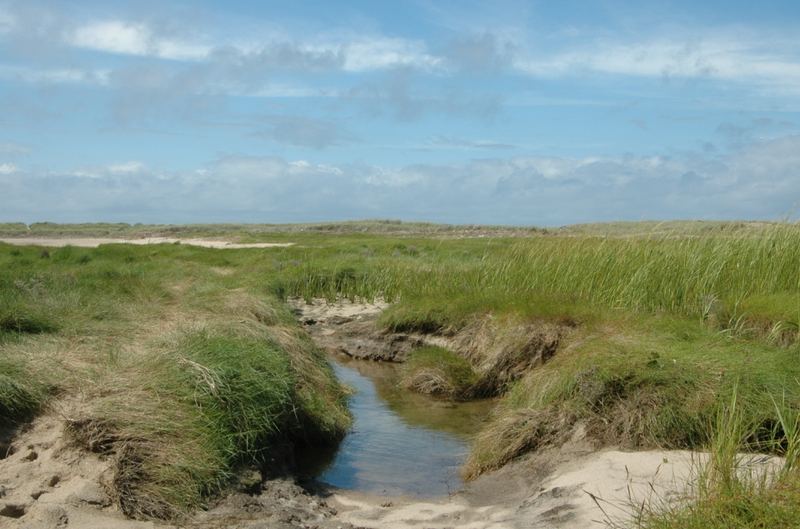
[731, 58]
[7, 168]
[758, 182]
[126, 168]
[128, 38]
[356, 54]
[381, 53]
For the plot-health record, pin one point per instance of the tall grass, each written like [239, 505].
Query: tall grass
[733, 490]
[186, 415]
[22, 393]
[666, 324]
[724, 277]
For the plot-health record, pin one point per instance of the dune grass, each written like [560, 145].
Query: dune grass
[165, 358]
[731, 489]
[22, 394]
[192, 410]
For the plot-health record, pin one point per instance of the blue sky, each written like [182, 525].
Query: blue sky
[520, 112]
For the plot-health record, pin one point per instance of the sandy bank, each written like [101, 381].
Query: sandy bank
[93, 242]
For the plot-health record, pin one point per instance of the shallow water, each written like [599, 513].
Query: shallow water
[402, 443]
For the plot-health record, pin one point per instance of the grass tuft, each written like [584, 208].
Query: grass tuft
[438, 371]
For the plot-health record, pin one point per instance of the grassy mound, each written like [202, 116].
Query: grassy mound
[653, 382]
[729, 491]
[194, 410]
[437, 371]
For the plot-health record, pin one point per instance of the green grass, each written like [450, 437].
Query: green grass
[729, 491]
[438, 371]
[659, 322]
[22, 393]
[655, 382]
[182, 368]
[193, 411]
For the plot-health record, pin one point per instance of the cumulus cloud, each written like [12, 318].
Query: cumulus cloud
[759, 181]
[7, 168]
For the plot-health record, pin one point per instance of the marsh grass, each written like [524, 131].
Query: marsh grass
[22, 394]
[665, 321]
[189, 412]
[180, 373]
[440, 372]
[733, 489]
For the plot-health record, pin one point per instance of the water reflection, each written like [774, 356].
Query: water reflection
[401, 442]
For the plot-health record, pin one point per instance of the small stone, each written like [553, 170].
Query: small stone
[53, 481]
[31, 456]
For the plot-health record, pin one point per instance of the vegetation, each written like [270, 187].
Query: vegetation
[437, 371]
[167, 361]
[654, 325]
[729, 492]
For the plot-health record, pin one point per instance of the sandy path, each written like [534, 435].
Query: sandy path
[94, 242]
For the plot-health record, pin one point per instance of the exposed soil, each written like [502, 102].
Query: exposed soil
[500, 352]
[351, 329]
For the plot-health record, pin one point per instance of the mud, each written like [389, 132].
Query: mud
[351, 329]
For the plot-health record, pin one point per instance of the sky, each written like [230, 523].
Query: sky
[506, 112]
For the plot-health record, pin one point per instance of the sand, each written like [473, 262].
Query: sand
[45, 483]
[94, 242]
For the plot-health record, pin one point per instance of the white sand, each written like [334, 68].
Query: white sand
[94, 242]
[593, 491]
